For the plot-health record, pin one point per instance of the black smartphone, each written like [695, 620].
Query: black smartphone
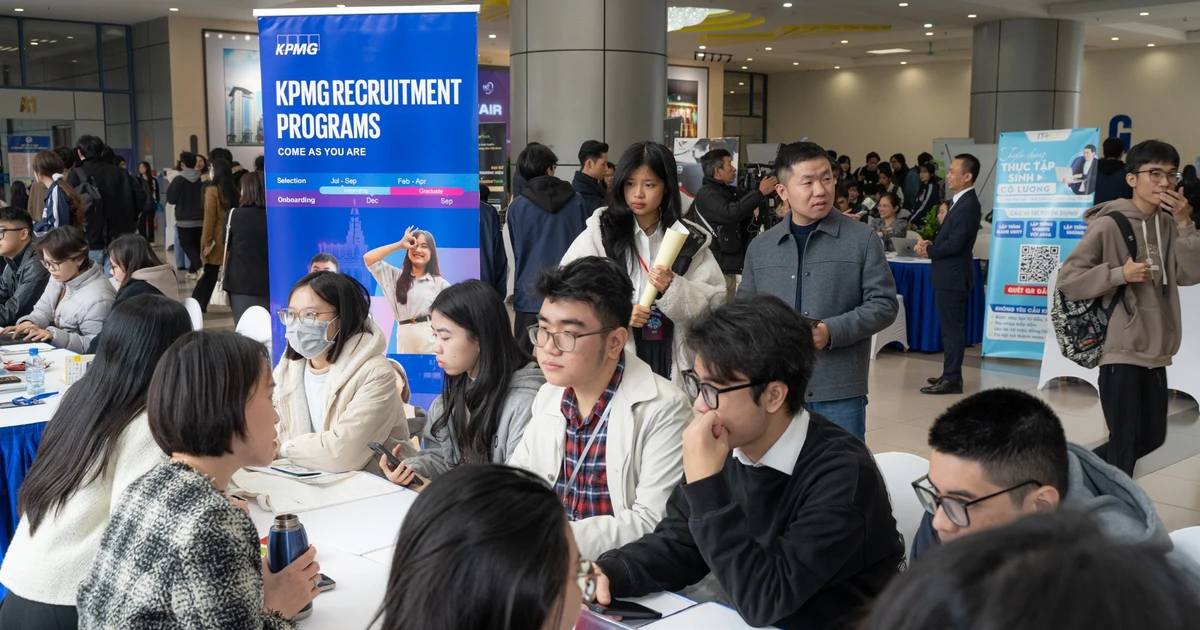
[326, 584]
[624, 610]
[392, 461]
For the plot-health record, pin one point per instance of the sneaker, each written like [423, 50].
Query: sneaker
[193, 276]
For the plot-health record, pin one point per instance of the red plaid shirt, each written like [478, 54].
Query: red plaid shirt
[588, 496]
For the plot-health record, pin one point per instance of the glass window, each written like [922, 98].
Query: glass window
[118, 131]
[737, 94]
[10, 53]
[61, 55]
[745, 106]
[116, 57]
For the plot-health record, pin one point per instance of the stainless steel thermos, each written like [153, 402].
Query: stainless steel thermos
[286, 542]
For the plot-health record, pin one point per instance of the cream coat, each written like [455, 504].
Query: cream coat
[644, 454]
[689, 295]
[362, 404]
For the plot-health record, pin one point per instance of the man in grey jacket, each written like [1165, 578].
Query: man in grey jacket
[834, 270]
[1002, 454]
[24, 278]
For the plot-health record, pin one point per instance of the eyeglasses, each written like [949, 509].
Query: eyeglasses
[51, 265]
[4, 231]
[712, 395]
[1157, 175]
[955, 509]
[587, 579]
[564, 341]
[307, 317]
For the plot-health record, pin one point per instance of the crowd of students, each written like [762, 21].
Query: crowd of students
[709, 444]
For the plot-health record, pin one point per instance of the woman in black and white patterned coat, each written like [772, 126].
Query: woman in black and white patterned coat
[178, 553]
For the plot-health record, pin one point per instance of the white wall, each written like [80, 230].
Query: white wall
[887, 109]
[890, 109]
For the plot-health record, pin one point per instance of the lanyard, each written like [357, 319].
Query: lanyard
[643, 263]
[587, 447]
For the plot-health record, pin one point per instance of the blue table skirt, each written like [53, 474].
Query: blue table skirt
[18, 446]
[924, 333]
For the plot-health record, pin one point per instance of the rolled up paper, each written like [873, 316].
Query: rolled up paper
[673, 241]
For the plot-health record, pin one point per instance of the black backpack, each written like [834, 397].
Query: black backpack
[1082, 327]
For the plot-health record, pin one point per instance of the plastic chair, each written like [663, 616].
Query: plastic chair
[899, 470]
[897, 332]
[1187, 541]
[1185, 365]
[193, 309]
[256, 324]
[1054, 364]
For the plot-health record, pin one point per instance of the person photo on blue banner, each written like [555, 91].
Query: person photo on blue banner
[410, 289]
[1082, 180]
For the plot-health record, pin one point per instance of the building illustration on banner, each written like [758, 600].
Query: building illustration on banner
[244, 127]
[350, 254]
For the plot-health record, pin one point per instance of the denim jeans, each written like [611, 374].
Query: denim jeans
[181, 261]
[848, 413]
[100, 257]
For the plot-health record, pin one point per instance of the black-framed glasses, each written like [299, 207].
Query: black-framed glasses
[587, 579]
[308, 317]
[711, 394]
[4, 231]
[51, 265]
[565, 341]
[1157, 175]
[956, 509]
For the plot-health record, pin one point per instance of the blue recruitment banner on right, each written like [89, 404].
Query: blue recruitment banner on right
[1045, 181]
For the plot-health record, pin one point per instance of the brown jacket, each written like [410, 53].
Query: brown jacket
[1146, 331]
[215, 215]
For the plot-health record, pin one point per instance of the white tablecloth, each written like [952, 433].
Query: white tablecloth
[54, 383]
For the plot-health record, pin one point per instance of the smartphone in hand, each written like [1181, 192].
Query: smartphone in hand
[392, 461]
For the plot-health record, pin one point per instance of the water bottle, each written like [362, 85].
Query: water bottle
[35, 374]
[286, 542]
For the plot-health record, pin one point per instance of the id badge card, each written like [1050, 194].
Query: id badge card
[653, 330]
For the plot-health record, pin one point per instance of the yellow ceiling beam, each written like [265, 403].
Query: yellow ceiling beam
[725, 21]
[790, 32]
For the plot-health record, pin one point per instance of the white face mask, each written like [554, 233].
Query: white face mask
[308, 340]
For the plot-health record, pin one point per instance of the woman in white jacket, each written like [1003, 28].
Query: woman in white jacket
[645, 204]
[97, 443]
[335, 390]
[77, 299]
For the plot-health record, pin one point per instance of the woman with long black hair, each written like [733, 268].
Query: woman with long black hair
[644, 205]
[148, 212]
[220, 196]
[497, 540]
[97, 443]
[929, 197]
[488, 388]
[410, 289]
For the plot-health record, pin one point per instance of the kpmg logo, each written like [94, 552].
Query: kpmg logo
[297, 44]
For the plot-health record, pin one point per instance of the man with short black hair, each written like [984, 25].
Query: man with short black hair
[952, 270]
[324, 262]
[869, 173]
[785, 509]
[117, 211]
[186, 192]
[1144, 331]
[912, 182]
[1083, 169]
[1110, 180]
[543, 220]
[834, 271]
[1002, 454]
[727, 212]
[24, 278]
[589, 179]
[621, 455]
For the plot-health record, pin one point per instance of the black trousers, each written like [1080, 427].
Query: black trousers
[17, 613]
[240, 303]
[521, 324]
[146, 225]
[189, 239]
[205, 285]
[1134, 400]
[952, 318]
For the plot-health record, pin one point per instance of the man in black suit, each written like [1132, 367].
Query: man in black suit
[953, 271]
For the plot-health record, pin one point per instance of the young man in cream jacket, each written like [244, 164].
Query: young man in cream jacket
[606, 431]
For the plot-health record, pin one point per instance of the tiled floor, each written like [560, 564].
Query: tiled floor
[899, 417]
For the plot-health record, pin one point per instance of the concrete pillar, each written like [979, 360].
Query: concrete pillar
[587, 70]
[1026, 75]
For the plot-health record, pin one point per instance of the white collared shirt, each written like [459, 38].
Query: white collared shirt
[783, 454]
[958, 195]
[646, 246]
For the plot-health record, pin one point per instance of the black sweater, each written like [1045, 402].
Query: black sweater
[808, 550]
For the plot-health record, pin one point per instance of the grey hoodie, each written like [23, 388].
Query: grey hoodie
[441, 452]
[1119, 506]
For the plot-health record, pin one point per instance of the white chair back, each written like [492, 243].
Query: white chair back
[256, 324]
[913, 234]
[1187, 541]
[899, 471]
[193, 309]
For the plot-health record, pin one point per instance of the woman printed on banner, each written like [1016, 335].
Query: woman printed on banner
[411, 288]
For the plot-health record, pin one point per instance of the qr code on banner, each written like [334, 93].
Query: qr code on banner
[1037, 263]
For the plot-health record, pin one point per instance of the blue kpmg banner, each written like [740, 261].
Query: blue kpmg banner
[371, 126]
[1045, 181]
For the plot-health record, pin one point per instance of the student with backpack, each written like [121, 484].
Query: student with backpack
[113, 211]
[1139, 294]
[186, 192]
